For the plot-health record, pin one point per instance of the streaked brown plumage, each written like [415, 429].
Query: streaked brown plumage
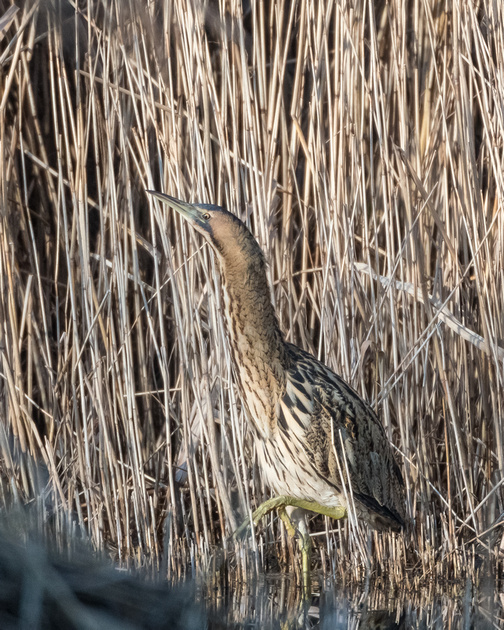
[314, 435]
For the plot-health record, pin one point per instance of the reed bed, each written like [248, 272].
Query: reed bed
[363, 143]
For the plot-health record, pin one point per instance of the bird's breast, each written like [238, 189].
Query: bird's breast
[259, 398]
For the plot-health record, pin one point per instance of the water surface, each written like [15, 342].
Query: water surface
[276, 602]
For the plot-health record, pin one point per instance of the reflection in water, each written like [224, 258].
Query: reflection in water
[275, 602]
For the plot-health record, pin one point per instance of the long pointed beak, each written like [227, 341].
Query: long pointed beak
[187, 210]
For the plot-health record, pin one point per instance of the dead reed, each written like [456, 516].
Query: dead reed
[363, 142]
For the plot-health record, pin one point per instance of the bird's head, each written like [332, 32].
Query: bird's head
[221, 229]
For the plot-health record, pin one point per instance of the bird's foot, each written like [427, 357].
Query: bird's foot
[280, 503]
[276, 503]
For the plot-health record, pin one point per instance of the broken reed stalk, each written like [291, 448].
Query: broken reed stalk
[365, 162]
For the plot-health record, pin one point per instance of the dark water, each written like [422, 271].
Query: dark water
[276, 603]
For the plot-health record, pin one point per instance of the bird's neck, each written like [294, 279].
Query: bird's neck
[257, 344]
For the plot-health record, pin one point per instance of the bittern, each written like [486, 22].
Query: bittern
[320, 446]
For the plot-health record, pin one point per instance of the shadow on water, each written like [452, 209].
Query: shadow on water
[277, 603]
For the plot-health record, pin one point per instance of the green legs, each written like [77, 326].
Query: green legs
[283, 501]
[295, 522]
[291, 511]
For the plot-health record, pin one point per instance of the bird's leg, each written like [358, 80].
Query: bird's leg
[289, 509]
[284, 501]
[306, 548]
[298, 516]
[289, 526]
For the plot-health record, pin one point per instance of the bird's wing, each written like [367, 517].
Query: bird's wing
[344, 439]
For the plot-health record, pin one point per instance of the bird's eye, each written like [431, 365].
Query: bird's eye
[206, 216]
